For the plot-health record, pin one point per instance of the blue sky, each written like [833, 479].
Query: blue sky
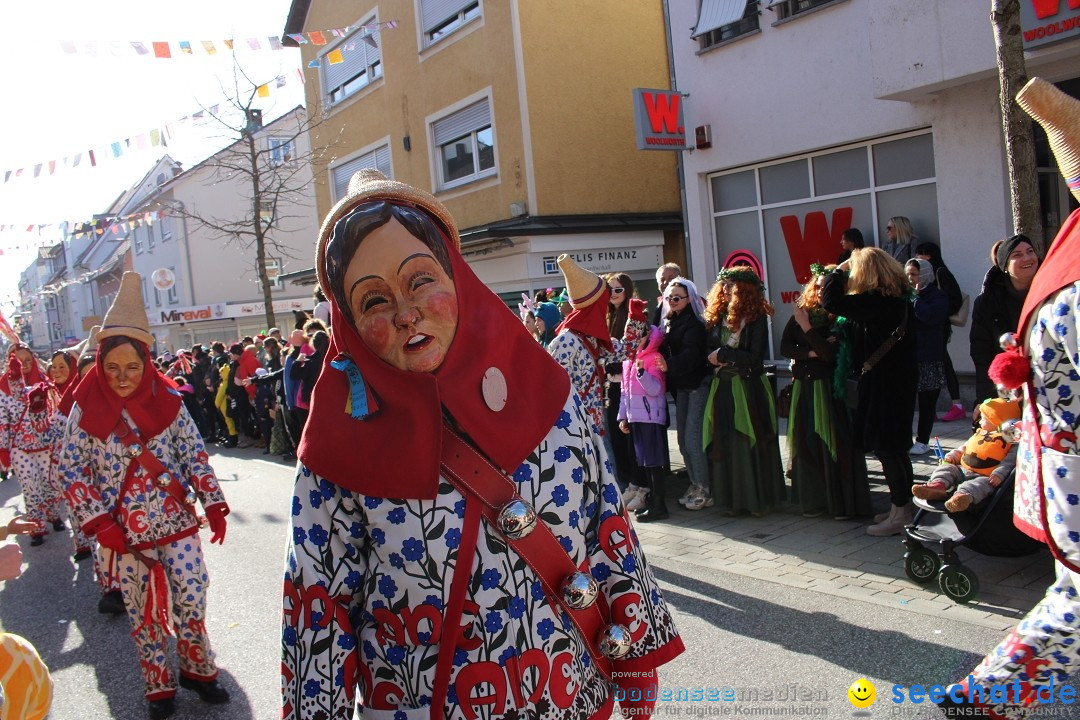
[59, 104]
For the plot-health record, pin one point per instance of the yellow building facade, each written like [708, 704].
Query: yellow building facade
[517, 114]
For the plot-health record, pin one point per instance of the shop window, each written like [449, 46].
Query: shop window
[444, 17]
[734, 191]
[465, 145]
[841, 172]
[361, 64]
[904, 160]
[708, 33]
[785, 182]
[379, 159]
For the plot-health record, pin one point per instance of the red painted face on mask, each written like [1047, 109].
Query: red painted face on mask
[403, 303]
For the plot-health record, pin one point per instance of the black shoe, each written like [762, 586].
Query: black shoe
[210, 691]
[655, 504]
[289, 457]
[82, 554]
[38, 540]
[232, 442]
[58, 525]
[161, 709]
[111, 603]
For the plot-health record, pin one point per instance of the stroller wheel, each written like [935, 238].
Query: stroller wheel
[958, 583]
[921, 565]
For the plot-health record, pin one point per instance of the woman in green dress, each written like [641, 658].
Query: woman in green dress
[827, 476]
[740, 415]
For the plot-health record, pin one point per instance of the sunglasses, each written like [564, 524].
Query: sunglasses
[617, 291]
[676, 298]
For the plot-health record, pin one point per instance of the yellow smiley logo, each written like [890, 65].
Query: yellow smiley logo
[861, 694]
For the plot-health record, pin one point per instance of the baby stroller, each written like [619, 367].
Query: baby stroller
[987, 528]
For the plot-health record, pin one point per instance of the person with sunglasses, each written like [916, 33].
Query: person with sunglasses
[627, 472]
[688, 380]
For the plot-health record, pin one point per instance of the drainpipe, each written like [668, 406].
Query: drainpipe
[679, 158]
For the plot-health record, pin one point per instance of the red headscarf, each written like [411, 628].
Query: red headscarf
[153, 406]
[592, 320]
[29, 379]
[394, 452]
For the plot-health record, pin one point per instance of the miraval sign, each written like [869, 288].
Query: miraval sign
[1049, 21]
[197, 313]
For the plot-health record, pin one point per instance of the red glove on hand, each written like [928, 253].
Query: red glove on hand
[215, 515]
[5, 459]
[110, 536]
[644, 687]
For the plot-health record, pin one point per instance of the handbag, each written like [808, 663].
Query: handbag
[851, 385]
[959, 318]
[783, 401]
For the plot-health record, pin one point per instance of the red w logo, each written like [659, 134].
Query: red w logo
[663, 111]
[1046, 8]
[816, 243]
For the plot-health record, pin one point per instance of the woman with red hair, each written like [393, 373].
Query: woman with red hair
[740, 414]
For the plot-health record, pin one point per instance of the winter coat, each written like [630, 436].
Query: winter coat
[931, 309]
[996, 311]
[684, 348]
[886, 406]
[748, 354]
[643, 388]
[796, 344]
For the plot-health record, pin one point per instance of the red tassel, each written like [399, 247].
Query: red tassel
[1010, 369]
[156, 607]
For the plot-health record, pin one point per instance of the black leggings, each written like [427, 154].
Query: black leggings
[899, 475]
[927, 414]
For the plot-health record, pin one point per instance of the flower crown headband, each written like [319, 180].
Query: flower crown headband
[817, 269]
[740, 273]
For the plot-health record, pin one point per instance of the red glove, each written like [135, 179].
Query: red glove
[5, 459]
[642, 686]
[110, 536]
[215, 515]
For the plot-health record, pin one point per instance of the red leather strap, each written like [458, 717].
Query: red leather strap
[474, 476]
[149, 463]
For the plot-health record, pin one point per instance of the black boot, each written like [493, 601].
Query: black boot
[111, 603]
[232, 442]
[161, 709]
[656, 508]
[209, 691]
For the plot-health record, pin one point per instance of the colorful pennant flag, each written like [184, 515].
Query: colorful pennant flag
[161, 50]
[263, 91]
[334, 57]
[208, 46]
[185, 47]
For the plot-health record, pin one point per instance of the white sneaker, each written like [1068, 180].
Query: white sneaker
[630, 493]
[701, 499]
[687, 495]
[919, 449]
[638, 500]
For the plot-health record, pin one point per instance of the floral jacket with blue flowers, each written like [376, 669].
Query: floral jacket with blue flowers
[586, 372]
[368, 583]
[92, 473]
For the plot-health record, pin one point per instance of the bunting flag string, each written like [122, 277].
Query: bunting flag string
[173, 49]
[159, 136]
[112, 226]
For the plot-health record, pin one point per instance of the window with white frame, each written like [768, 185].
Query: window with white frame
[145, 296]
[352, 64]
[166, 228]
[157, 297]
[136, 239]
[465, 145]
[273, 273]
[266, 212]
[173, 296]
[379, 159]
[721, 20]
[281, 151]
[56, 332]
[442, 17]
[150, 233]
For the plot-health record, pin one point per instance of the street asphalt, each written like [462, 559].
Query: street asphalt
[748, 627]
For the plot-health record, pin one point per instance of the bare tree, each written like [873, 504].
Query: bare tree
[272, 165]
[1019, 141]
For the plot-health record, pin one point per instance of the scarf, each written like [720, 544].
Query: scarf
[591, 321]
[152, 407]
[31, 378]
[377, 430]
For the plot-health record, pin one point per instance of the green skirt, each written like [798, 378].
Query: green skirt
[742, 442]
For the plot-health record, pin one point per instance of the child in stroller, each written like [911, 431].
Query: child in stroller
[971, 472]
[978, 515]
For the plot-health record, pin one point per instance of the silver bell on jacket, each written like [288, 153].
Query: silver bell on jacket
[517, 519]
[1010, 430]
[1008, 341]
[614, 641]
[579, 590]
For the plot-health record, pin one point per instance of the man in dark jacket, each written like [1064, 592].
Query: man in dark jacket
[997, 309]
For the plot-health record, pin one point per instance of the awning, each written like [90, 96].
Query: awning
[717, 13]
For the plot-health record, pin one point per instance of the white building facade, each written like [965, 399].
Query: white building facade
[829, 114]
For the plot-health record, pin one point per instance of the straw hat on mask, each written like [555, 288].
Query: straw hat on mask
[368, 185]
[1059, 114]
[127, 316]
[583, 287]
